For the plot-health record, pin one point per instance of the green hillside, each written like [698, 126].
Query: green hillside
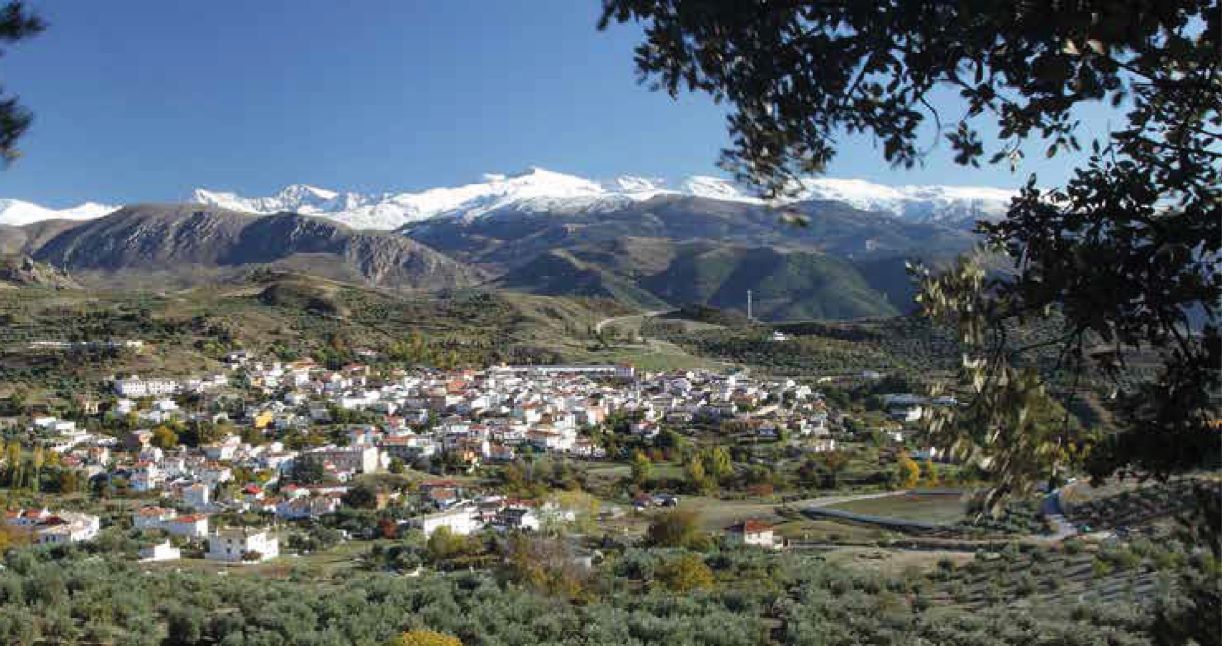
[784, 285]
[652, 272]
[559, 273]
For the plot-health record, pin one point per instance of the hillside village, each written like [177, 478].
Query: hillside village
[285, 440]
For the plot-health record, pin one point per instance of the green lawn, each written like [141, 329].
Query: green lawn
[321, 565]
[829, 531]
[916, 506]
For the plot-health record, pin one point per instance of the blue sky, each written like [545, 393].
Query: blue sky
[146, 100]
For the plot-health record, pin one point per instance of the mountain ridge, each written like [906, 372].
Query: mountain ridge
[539, 190]
[192, 240]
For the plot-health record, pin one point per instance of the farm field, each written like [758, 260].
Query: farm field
[930, 508]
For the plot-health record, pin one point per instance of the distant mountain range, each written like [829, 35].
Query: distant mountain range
[674, 249]
[538, 190]
[633, 239]
[543, 191]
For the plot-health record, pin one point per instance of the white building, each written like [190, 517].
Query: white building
[191, 526]
[134, 386]
[151, 517]
[904, 407]
[460, 521]
[146, 476]
[197, 495]
[242, 545]
[307, 507]
[160, 552]
[752, 532]
[67, 527]
[351, 459]
[823, 445]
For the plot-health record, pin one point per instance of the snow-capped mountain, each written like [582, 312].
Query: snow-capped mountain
[539, 190]
[535, 190]
[18, 212]
[918, 203]
[542, 191]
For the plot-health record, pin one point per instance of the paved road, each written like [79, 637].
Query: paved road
[598, 327]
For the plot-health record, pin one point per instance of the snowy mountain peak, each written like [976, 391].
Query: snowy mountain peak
[637, 184]
[306, 192]
[920, 203]
[19, 213]
[716, 188]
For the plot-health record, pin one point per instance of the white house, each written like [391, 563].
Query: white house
[160, 552]
[68, 527]
[520, 518]
[146, 476]
[151, 517]
[191, 526]
[752, 532]
[242, 545]
[197, 495]
[460, 520]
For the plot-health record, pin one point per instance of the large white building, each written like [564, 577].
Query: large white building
[460, 520]
[361, 458]
[242, 545]
[134, 386]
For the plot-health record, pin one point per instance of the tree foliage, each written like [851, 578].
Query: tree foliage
[677, 528]
[907, 472]
[424, 638]
[16, 23]
[547, 565]
[362, 495]
[164, 437]
[641, 467]
[1127, 254]
[685, 573]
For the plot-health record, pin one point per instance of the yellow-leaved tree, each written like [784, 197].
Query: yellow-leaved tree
[908, 472]
[424, 638]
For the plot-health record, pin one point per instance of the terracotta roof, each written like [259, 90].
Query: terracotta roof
[751, 527]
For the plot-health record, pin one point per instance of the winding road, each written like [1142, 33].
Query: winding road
[598, 327]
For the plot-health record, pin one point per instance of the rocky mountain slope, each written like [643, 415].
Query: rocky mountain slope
[195, 242]
[20, 271]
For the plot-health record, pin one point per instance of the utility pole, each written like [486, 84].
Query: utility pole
[749, 305]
